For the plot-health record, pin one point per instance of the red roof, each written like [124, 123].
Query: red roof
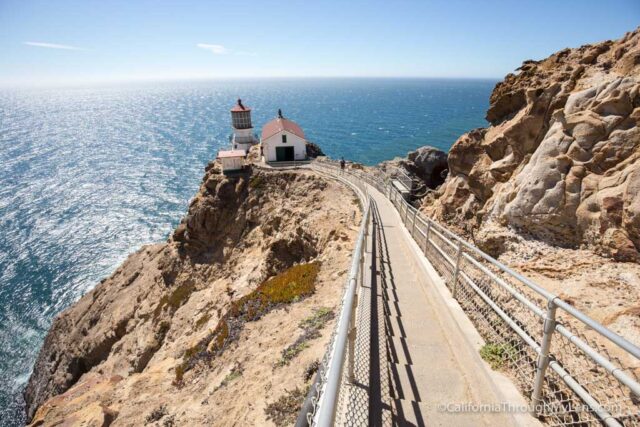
[231, 153]
[238, 108]
[278, 125]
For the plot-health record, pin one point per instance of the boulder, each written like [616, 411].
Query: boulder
[428, 164]
[314, 150]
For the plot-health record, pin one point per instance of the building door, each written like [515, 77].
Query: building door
[284, 154]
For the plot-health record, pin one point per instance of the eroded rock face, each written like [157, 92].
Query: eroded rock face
[314, 150]
[426, 163]
[560, 159]
[111, 357]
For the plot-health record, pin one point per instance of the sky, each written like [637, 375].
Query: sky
[68, 41]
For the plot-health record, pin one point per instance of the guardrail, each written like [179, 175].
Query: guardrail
[403, 178]
[321, 404]
[560, 358]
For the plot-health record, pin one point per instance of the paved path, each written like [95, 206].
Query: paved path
[430, 362]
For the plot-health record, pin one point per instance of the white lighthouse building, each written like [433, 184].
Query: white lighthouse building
[243, 137]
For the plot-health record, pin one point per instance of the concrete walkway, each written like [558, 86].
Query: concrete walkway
[433, 365]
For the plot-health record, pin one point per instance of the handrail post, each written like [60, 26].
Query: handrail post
[413, 223]
[352, 339]
[543, 358]
[426, 237]
[457, 270]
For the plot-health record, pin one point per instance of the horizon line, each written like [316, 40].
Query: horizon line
[129, 80]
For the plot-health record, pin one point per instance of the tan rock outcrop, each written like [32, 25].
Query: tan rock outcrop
[560, 161]
[112, 357]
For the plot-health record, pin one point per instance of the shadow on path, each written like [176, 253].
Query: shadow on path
[399, 354]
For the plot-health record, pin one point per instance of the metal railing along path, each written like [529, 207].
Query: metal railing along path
[574, 370]
[322, 401]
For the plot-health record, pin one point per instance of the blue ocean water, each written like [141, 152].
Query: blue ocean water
[88, 175]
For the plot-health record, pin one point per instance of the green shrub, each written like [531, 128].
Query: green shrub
[235, 373]
[284, 411]
[318, 319]
[156, 414]
[256, 182]
[287, 287]
[292, 351]
[202, 320]
[311, 330]
[497, 355]
[173, 300]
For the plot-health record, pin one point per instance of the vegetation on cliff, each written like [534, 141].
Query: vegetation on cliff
[255, 255]
[289, 286]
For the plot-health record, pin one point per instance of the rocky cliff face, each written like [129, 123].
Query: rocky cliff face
[561, 159]
[426, 164]
[145, 345]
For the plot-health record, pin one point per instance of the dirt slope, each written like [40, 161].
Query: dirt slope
[140, 348]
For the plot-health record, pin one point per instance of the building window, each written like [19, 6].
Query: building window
[284, 138]
[241, 120]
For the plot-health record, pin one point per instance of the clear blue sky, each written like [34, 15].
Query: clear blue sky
[66, 41]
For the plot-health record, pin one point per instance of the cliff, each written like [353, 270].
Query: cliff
[221, 324]
[560, 159]
[552, 186]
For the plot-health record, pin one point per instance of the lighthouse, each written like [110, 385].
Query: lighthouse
[243, 137]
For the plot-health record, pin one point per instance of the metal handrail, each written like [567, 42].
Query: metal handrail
[329, 397]
[320, 405]
[464, 250]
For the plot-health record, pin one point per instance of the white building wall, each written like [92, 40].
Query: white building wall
[242, 139]
[232, 163]
[269, 146]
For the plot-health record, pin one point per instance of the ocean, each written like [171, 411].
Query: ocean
[89, 174]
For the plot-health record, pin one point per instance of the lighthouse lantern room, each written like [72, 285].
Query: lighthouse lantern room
[243, 137]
